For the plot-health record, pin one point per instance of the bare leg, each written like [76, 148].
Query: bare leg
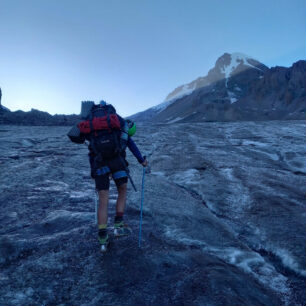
[121, 200]
[103, 204]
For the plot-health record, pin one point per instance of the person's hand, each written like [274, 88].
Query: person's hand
[145, 163]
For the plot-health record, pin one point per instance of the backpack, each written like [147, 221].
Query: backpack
[105, 130]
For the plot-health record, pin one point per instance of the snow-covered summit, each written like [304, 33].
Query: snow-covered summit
[224, 84]
[238, 60]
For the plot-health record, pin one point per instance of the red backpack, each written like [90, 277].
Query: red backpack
[104, 129]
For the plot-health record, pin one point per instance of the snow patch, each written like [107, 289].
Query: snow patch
[160, 107]
[232, 96]
[254, 264]
[175, 120]
[61, 213]
[289, 261]
[254, 143]
[13, 214]
[55, 186]
[159, 173]
[236, 59]
[181, 237]
[80, 194]
[186, 89]
[248, 261]
[187, 177]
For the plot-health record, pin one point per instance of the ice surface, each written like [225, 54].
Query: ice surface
[224, 218]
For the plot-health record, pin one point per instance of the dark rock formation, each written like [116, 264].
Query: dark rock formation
[3, 109]
[36, 117]
[281, 92]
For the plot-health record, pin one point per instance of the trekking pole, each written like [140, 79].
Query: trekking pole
[129, 176]
[96, 207]
[127, 172]
[141, 205]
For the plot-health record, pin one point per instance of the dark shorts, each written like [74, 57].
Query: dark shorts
[117, 172]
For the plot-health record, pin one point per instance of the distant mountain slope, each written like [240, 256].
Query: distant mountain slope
[237, 88]
[280, 93]
[226, 66]
[35, 117]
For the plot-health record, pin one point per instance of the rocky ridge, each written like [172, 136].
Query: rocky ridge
[237, 88]
[36, 117]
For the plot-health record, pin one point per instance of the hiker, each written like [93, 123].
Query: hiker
[108, 135]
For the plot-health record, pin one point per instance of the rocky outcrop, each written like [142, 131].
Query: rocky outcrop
[281, 91]
[2, 108]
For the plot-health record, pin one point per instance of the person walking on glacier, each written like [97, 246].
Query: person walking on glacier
[109, 135]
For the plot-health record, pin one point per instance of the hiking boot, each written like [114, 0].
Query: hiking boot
[121, 229]
[103, 240]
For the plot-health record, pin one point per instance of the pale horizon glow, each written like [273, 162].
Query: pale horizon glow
[55, 54]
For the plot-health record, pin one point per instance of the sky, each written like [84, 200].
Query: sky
[133, 53]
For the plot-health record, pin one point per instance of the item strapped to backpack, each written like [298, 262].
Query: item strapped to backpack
[103, 118]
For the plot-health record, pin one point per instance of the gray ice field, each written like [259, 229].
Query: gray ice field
[224, 218]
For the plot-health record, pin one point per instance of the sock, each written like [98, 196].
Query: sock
[102, 226]
[119, 217]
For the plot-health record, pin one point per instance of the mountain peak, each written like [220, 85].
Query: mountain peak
[227, 65]
[230, 64]
[238, 87]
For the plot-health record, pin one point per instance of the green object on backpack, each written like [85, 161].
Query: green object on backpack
[132, 127]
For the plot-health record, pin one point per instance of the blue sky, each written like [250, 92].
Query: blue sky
[132, 53]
